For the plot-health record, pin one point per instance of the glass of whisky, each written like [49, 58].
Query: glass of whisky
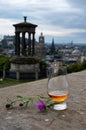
[58, 88]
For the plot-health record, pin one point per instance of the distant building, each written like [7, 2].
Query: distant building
[76, 52]
[40, 47]
[71, 55]
[9, 39]
[83, 58]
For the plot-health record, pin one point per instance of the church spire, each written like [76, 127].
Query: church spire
[52, 47]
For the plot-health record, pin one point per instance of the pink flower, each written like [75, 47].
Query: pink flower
[41, 105]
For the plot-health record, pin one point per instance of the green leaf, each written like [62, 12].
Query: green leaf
[26, 103]
[11, 102]
[21, 97]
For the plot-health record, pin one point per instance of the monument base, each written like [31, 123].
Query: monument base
[24, 65]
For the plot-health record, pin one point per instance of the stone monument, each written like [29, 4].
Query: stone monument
[24, 60]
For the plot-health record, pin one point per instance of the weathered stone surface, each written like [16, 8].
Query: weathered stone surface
[74, 118]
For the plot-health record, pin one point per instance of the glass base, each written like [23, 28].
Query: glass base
[60, 106]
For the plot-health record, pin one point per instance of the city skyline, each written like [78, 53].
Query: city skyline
[62, 20]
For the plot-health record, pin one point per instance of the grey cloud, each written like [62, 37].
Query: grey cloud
[9, 12]
[78, 3]
[66, 20]
[49, 16]
[79, 35]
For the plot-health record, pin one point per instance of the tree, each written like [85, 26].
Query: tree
[4, 64]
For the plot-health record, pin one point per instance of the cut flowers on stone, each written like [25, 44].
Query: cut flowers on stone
[42, 103]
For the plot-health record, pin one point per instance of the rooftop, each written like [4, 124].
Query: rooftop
[25, 24]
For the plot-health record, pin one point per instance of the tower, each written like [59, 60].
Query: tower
[41, 39]
[52, 47]
[40, 49]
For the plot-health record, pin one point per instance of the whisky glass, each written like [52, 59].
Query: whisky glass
[57, 88]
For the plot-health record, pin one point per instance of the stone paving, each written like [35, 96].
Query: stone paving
[74, 118]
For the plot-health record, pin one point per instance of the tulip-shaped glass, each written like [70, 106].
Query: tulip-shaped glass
[58, 88]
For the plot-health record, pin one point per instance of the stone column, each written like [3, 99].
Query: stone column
[36, 75]
[17, 43]
[17, 75]
[29, 44]
[33, 44]
[23, 44]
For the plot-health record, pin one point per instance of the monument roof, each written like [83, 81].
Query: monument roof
[25, 23]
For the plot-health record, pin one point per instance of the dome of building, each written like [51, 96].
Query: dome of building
[76, 51]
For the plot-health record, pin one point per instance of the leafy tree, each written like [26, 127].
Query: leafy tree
[4, 61]
[43, 68]
[75, 67]
[83, 65]
[4, 64]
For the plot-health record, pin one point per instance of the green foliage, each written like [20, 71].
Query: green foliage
[43, 69]
[7, 82]
[11, 102]
[83, 65]
[75, 67]
[21, 100]
[43, 66]
[4, 62]
[25, 101]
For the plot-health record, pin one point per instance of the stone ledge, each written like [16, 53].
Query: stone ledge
[24, 60]
[74, 118]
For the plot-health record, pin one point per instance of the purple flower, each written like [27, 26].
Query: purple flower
[41, 105]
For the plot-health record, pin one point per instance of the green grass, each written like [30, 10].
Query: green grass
[11, 82]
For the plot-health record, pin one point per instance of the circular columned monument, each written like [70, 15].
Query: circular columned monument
[24, 60]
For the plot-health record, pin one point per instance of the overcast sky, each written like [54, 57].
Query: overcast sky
[63, 20]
